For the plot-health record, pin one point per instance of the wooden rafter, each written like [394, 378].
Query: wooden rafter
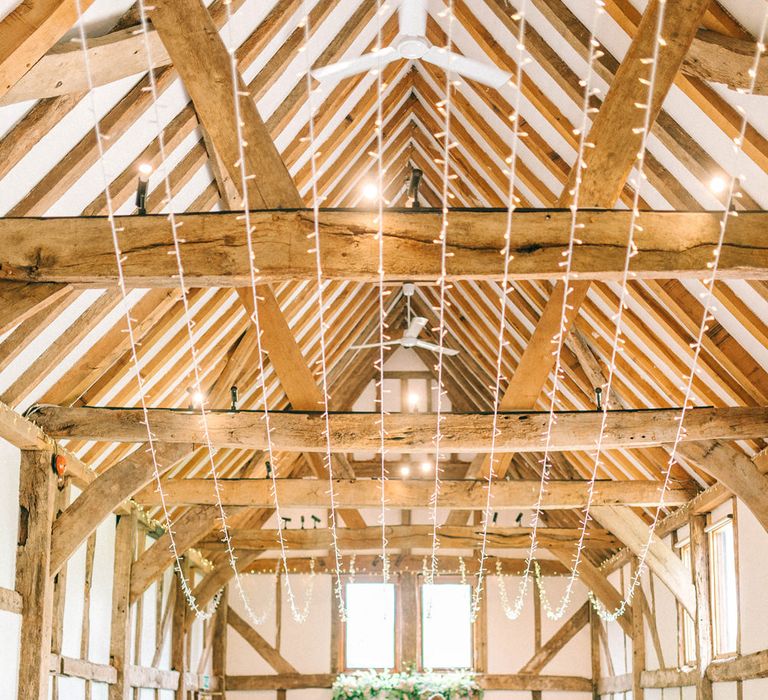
[673, 244]
[349, 432]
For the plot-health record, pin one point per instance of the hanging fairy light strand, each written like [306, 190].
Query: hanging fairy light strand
[512, 611]
[297, 613]
[512, 201]
[631, 250]
[442, 241]
[707, 316]
[379, 364]
[314, 236]
[115, 230]
[177, 242]
[644, 131]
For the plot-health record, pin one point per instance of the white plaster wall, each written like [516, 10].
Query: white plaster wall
[10, 624]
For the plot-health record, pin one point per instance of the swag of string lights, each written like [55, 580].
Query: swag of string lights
[589, 91]
[687, 382]
[442, 241]
[707, 297]
[299, 614]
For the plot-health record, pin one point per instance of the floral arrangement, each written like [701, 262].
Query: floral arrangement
[366, 685]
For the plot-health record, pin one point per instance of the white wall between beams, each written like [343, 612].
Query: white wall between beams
[10, 623]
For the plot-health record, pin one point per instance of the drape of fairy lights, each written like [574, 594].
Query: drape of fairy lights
[314, 236]
[512, 200]
[299, 614]
[707, 297]
[514, 609]
[443, 106]
[643, 130]
[115, 230]
[380, 8]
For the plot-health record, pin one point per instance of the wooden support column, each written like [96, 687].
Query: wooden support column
[410, 616]
[536, 694]
[120, 638]
[38, 498]
[178, 647]
[219, 655]
[594, 638]
[59, 592]
[638, 643]
[337, 636]
[37, 493]
[702, 621]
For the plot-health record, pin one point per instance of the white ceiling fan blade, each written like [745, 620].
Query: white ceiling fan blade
[368, 346]
[485, 73]
[353, 66]
[412, 17]
[417, 325]
[435, 348]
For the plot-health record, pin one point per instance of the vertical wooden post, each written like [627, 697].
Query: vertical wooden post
[337, 636]
[594, 639]
[85, 636]
[61, 501]
[37, 492]
[480, 632]
[702, 622]
[120, 639]
[178, 647]
[219, 655]
[279, 611]
[410, 617]
[480, 625]
[536, 694]
[638, 642]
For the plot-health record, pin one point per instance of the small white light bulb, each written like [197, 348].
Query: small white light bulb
[413, 401]
[145, 170]
[717, 185]
[370, 191]
[426, 467]
[405, 471]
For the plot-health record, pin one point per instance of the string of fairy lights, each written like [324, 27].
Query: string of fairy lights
[119, 259]
[513, 610]
[298, 614]
[631, 251]
[442, 241]
[512, 199]
[314, 236]
[556, 612]
[590, 91]
[379, 363]
[707, 316]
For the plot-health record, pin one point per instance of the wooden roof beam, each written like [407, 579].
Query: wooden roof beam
[413, 493]
[28, 31]
[673, 245]
[462, 432]
[404, 536]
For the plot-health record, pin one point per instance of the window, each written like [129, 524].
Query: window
[446, 625]
[689, 631]
[369, 635]
[722, 564]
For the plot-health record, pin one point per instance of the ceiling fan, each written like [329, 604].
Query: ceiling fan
[410, 337]
[412, 43]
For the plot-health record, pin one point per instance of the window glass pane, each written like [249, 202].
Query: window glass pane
[689, 631]
[446, 625]
[370, 629]
[723, 583]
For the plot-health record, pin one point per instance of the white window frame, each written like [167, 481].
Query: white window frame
[422, 636]
[716, 572]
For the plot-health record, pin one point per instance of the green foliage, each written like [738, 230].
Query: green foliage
[367, 685]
